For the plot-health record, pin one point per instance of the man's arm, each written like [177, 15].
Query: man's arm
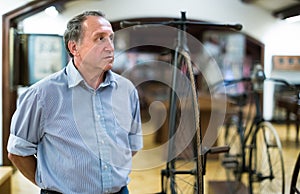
[25, 164]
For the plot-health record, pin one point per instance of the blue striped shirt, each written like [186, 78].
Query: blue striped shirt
[82, 137]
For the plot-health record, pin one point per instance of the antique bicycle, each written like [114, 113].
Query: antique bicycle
[186, 153]
[255, 147]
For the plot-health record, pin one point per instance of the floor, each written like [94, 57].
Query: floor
[145, 178]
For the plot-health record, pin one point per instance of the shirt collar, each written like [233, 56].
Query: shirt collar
[75, 78]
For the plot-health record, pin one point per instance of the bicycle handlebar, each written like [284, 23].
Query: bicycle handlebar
[183, 22]
[282, 81]
[249, 79]
[236, 27]
[253, 80]
[235, 81]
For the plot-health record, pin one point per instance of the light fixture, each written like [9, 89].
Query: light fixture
[51, 11]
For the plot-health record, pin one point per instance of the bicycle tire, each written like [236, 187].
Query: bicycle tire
[295, 183]
[184, 172]
[266, 166]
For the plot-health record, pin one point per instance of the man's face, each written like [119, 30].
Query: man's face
[95, 48]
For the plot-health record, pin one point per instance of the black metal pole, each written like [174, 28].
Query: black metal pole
[181, 44]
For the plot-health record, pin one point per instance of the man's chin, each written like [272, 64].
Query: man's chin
[108, 67]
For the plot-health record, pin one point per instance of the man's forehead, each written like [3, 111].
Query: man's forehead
[96, 22]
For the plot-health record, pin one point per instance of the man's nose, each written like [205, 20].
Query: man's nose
[109, 45]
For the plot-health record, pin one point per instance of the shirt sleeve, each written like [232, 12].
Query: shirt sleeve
[25, 125]
[136, 136]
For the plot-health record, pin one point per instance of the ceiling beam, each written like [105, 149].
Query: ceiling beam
[287, 12]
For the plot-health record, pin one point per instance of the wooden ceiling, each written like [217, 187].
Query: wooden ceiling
[277, 8]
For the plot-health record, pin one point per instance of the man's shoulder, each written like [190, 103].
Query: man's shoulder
[53, 79]
[121, 79]
[49, 83]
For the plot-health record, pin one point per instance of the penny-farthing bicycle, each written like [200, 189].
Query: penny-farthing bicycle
[186, 147]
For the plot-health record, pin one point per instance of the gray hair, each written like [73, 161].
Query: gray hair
[74, 29]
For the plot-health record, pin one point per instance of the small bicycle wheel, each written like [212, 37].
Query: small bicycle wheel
[182, 175]
[266, 168]
[233, 160]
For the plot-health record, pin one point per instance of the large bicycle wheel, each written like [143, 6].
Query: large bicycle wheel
[184, 168]
[266, 167]
[233, 160]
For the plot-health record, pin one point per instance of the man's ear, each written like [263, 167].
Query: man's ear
[73, 47]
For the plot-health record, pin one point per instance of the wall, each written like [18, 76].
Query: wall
[279, 37]
[6, 6]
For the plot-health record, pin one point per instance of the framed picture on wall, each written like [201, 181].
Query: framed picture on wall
[40, 55]
[286, 63]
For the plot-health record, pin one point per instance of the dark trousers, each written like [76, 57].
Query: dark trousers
[124, 190]
[43, 191]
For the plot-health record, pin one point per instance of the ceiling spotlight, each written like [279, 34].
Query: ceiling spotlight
[51, 11]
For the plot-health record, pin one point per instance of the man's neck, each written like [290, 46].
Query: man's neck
[93, 79]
